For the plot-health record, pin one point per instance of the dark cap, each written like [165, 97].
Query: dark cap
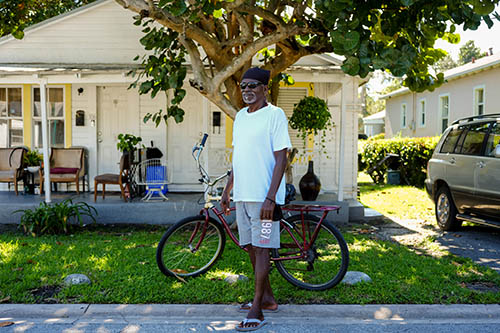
[259, 74]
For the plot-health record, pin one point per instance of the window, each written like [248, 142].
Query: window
[479, 101]
[472, 142]
[55, 117]
[444, 111]
[451, 140]
[403, 115]
[11, 117]
[493, 140]
[421, 113]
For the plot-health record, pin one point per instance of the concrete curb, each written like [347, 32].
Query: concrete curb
[195, 312]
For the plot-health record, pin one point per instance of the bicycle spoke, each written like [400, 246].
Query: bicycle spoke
[181, 251]
[324, 263]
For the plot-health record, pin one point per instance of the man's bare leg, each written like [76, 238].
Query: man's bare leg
[261, 268]
[268, 300]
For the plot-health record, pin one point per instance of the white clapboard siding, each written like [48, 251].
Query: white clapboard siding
[287, 99]
[149, 131]
[104, 33]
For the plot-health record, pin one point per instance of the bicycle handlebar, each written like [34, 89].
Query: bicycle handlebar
[205, 136]
[205, 178]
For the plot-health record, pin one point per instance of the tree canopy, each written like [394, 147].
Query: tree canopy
[221, 38]
[468, 51]
[373, 102]
[444, 64]
[16, 15]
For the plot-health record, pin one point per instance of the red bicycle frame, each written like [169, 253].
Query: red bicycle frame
[306, 245]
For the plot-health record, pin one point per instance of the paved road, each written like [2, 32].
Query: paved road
[209, 318]
[480, 243]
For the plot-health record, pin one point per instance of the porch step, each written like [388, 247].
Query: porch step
[113, 210]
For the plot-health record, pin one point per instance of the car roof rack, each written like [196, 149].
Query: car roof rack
[469, 119]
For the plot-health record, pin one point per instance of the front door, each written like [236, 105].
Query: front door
[182, 170]
[117, 112]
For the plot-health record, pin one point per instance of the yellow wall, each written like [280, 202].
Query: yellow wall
[68, 135]
[229, 132]
[27, 115]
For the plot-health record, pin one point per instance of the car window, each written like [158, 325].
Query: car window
[451, 140]
[472, 143]
[493, 140]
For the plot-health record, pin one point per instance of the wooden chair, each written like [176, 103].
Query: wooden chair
[121, 179]
[11, 165]
[66, 166]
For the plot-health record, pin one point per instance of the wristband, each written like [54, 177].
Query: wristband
[271, 200]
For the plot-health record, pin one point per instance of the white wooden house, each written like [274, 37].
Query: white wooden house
[84, 56]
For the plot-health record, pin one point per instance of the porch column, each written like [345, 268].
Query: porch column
[45, 140]
[343, 104]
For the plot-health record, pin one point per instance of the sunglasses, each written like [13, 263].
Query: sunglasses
[251, 85]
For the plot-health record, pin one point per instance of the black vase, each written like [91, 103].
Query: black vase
[309, 184]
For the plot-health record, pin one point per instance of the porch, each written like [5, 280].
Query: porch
[114, 210]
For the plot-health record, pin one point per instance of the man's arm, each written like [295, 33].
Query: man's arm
[225, 198]
[266, 212]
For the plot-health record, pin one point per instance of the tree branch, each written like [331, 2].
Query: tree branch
[166, 19]
[251, 50]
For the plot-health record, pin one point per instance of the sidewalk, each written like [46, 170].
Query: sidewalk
[204, 317]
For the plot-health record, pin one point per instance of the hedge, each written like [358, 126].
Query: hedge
[414, 153]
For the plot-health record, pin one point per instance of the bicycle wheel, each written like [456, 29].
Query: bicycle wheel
[176, 254]
[326, 261]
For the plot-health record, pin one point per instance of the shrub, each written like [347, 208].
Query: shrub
[57, 218]
[414, 154]
[379, 136]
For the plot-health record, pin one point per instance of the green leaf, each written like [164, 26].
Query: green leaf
[483, 7]
[178, 8]
[488, 21]
[217, 13]
[351, 66]
[18, 34]
[351, 40]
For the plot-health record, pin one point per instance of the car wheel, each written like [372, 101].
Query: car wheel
[446, 211]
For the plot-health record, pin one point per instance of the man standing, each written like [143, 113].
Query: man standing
[260, 140]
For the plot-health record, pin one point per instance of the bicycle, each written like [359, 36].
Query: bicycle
[313, 253]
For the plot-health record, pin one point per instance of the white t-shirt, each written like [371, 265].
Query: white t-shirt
[256, 136]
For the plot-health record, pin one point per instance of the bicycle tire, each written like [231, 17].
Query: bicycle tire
[313, 273]
[174, 255]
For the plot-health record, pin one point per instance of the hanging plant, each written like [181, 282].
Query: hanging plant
[311, 116]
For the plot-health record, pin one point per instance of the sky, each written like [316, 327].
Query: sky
[483, 37]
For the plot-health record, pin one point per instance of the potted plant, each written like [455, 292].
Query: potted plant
[311, 116]
[32, 160]
[127, 144]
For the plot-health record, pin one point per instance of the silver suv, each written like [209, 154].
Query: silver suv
[463, 175]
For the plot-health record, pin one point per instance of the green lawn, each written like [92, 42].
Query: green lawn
[121, 264]
[403, 202]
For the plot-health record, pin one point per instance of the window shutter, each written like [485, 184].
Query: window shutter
[287, 99]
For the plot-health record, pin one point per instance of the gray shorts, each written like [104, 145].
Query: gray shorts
[253, 230]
